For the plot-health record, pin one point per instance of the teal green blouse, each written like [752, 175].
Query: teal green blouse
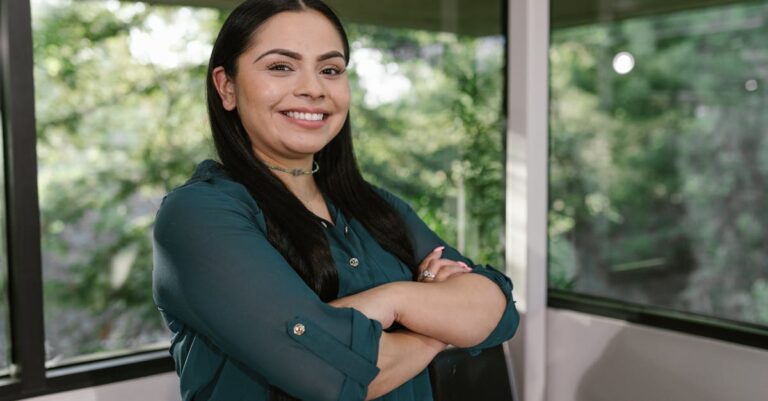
[243, 320]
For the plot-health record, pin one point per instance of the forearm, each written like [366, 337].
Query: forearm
[461, 311]
[402, 355]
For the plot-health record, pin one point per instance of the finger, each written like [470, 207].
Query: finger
[434, 255]
[452, 275]
[433, 267]
[448, 271]
[426, 276]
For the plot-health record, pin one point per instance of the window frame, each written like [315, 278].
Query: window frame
[731, 331]
[25, 296]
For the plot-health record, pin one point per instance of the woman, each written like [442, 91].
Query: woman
[281, 272]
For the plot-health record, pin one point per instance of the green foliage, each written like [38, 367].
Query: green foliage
[443, 139]
[114, 135]
[658, 177]
[118, 130]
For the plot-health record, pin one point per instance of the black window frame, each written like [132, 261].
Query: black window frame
[569, 13]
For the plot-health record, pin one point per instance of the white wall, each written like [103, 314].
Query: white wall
[592, 358]
[164, 387]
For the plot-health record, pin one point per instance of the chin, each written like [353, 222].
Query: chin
[310, 146]
[306, 149]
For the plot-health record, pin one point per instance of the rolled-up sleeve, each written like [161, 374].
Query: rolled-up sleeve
[425, 240]
[217, 273]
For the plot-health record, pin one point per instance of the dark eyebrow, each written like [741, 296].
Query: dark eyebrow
[297, 56]
[286, 53]
[329, 55]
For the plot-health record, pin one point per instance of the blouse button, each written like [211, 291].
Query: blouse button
[325, 225]
[299, 329]
[346, 229]
[354, 262]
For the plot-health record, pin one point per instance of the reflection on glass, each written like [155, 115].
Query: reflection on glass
[659, 175]
[122, 120]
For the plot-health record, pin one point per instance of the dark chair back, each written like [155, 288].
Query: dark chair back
[458, 376]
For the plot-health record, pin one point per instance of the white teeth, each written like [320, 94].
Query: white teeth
[305, 116]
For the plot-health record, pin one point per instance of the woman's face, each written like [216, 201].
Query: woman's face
[291, 89]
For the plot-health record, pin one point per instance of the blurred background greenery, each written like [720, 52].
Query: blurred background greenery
[121, 121]
[658, 154]
[659, 175]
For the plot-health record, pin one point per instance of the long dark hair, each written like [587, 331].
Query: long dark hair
[292, 229]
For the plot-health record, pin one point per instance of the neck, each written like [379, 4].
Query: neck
[303, 185]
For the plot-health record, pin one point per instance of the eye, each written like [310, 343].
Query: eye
[282, 67]
[332, 70]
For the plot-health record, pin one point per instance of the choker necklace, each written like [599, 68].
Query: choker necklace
[296, 171]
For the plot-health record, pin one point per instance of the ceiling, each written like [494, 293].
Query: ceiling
[481, 17]
[469, 17]
[578, 12]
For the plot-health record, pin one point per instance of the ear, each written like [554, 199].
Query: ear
[226, 88]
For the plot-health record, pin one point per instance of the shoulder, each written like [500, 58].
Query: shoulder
[208, 195]
[393, 200]
[211, 184]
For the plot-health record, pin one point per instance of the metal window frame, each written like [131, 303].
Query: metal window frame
[732, 331]
[25, 294]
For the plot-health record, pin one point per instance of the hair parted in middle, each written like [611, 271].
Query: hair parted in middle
[292, 229]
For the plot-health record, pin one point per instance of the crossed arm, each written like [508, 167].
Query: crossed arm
[459, 309]
[212, 256]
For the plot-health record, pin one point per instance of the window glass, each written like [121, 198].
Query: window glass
[428, 119]
[120, 120]
[659, 160]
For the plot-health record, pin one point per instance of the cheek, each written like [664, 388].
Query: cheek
[260, 95]
[342, 95]
[272, 94]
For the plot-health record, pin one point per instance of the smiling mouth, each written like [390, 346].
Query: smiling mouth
[306, 116]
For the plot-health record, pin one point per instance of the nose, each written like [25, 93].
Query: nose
[310, 86]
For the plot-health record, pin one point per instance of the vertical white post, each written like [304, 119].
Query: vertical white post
[461, 213]
[526, 192]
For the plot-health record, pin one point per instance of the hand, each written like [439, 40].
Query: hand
[378, 303]
[440, 269]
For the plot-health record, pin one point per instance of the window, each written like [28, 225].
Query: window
[428, 121]
[120, 120]
[659, 162]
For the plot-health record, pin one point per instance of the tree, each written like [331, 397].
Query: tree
[120, 126]
[658, 176]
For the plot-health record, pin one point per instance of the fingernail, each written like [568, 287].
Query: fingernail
[439, 248]
[464, 265]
